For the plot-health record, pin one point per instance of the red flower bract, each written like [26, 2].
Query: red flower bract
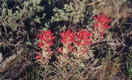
[38, 56]
[67, 37]
[83, 38]
[70, 47]
[46, 39]
[59, 50]
[101, 23]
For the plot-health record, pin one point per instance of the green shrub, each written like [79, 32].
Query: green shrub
[129, 66]
[68, 14]
[16, 16]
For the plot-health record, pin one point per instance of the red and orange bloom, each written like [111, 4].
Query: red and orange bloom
[46, 39]
[83, 38]
[101, 23]
[45, 42]
[67, 37]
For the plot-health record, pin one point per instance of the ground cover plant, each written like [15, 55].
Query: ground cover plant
[65, 40]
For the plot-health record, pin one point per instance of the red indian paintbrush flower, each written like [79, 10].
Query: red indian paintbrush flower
[67, 37]
[59, 50]
[83, 38]
[101, 23]
[46, 39]
[39, 56]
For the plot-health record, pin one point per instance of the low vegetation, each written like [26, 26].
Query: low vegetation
[65, 40]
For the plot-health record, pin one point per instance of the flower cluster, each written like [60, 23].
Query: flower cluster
[46, 39]
[100, 24]
[83, 39]
[73, 40]
[45, 42]
[67, 37]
